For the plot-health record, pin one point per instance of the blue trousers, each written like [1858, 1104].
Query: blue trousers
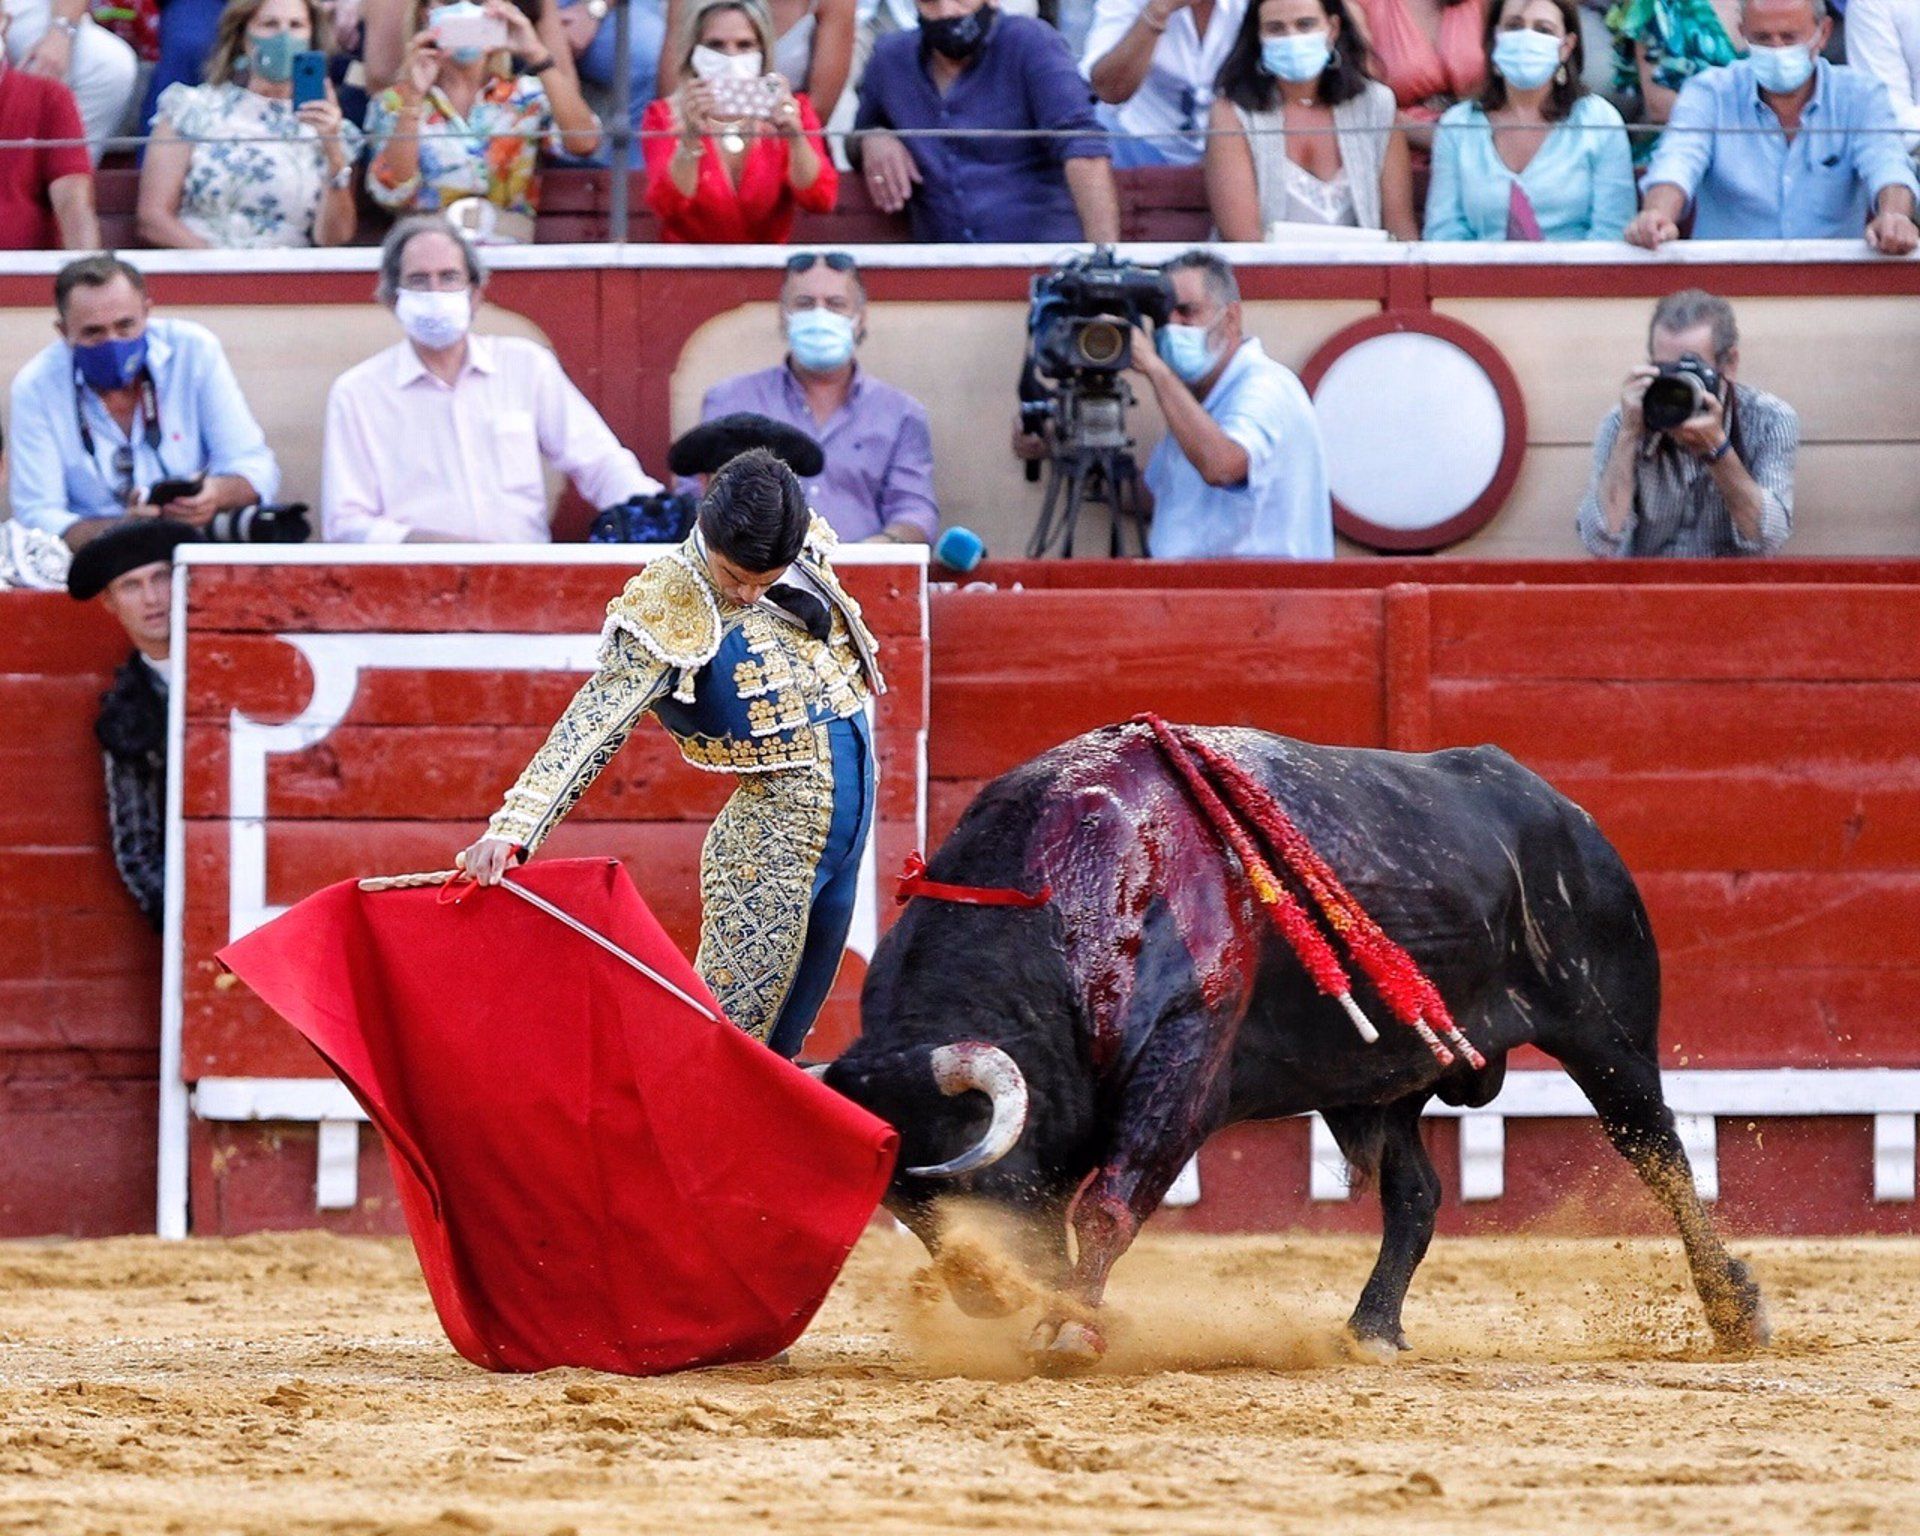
[836, 882]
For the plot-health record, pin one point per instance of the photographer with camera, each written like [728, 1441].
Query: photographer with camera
[1241, 471]
[1691, 463]
[130, 416]
[440, 438]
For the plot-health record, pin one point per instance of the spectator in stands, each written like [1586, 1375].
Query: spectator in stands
[58, 39]
[1300, 64]
[1153, 64]
[730, 181]
[1883, 40]
[386, 26]
[236, 165]
[1241, 471]
[1734, 146]
[440, 438]
[124, 408]
[1659, 45]
[186, 33]
[1538, 156]
[969, 67]
[459, 133]
[812, 47]
[130, 571]
[877, 485]
[591, 30]
[1431, 53]
[1721, 482]
[46, 191]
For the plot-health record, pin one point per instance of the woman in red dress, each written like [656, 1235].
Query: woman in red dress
[715, 179]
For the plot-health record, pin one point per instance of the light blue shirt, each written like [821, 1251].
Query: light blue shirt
[1579, 181]
[1282, 509]
[205, 428]
[1751, 184]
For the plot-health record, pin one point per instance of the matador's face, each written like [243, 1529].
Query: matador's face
[736, 584]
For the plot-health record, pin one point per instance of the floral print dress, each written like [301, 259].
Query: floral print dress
[1681, 37]
[256, 174]
[491, 153]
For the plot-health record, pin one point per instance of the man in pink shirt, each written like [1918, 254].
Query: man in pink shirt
[444, 437]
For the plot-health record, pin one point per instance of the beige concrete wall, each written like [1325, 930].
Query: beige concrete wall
[962, 361]
[1846, 365]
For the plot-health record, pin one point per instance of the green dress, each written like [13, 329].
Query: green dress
[1681, 38]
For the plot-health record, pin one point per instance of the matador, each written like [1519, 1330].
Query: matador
[744, 645]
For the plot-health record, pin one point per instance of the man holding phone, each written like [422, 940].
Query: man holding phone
[129, 416]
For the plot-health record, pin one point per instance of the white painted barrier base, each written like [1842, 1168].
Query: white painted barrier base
[1890, 1096]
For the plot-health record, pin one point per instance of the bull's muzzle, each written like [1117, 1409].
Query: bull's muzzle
[975, 1067]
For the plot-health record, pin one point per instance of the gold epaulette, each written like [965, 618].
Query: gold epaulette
[671, 612]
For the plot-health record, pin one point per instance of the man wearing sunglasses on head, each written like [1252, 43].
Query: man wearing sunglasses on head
[877, 483]
[130, 416]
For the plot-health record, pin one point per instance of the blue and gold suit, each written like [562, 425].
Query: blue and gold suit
[746, 691]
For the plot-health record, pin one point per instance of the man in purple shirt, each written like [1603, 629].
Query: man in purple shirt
[877, 485]
[967, 67]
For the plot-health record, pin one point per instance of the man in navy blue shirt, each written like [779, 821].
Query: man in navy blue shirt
[969, 67]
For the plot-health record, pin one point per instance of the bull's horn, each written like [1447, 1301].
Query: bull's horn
[977, 1067]
[817, 1073]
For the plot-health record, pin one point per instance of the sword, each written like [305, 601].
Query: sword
[444, 877]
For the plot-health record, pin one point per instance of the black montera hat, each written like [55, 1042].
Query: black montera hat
[137, 542]
[704, 448]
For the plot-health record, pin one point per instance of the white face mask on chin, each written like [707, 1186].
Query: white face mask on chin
[434, 320]
[710, 64]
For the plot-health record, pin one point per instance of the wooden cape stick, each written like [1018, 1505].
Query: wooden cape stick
[443, 877]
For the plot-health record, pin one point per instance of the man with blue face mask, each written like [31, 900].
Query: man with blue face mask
[130, 416]
[877, 484]
[1241, 471]
[1781, 145]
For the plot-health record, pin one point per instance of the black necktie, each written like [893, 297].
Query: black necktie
[805, 607]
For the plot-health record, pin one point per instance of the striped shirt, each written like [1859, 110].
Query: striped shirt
[1677, 507]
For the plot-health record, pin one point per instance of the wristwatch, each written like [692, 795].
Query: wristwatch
[1726, 447]
[341, 179]
[71, 29]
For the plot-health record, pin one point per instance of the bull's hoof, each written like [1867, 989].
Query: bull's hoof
[1736, 1312]
[1059, 1348]
[1374, 1347]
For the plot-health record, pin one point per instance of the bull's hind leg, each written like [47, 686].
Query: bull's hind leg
[1409, 1200]
[1624, 1087]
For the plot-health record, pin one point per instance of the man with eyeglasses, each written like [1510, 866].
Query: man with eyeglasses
[444, 437]
[130, 416]
[877, 483]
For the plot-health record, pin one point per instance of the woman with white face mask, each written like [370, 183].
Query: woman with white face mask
[1536, 157]
[1300, 133]
[460, 132]
[733, 153]
[233, 163]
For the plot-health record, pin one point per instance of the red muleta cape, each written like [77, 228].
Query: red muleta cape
[592, 1173]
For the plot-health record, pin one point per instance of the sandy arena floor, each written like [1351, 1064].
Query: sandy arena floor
[299, 1384]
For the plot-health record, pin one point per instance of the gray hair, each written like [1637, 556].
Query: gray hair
[394, 247]
[1222, 286]
[1692, 307]
[1819, 10]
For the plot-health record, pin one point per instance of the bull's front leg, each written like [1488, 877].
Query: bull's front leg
[1169, 1108]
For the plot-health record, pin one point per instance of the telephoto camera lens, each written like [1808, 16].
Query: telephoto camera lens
[261, 525]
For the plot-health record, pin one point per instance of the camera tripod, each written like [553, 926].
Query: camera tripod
[1091, 462]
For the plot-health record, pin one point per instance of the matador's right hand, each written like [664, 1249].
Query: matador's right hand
[487, 860]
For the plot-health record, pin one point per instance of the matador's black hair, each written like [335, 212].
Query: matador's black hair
[755, 512]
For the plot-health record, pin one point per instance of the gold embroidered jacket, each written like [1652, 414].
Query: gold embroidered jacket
[742, 690]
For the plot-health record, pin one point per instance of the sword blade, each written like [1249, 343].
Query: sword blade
[610, 947]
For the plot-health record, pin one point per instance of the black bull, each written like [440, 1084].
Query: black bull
[1151, 1002]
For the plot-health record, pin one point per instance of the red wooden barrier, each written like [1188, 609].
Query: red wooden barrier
[1749, 745]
